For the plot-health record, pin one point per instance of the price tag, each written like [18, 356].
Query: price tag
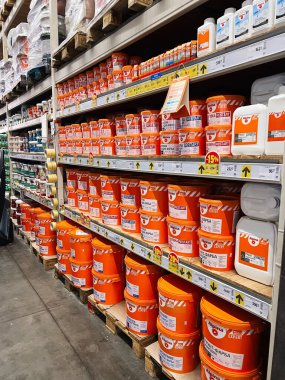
[216, 64]
[157, 255]
[269, 172]
[212, 285]
[257, 307]
[176, 167]
[226, 292]
[203, 68]
[94, 100]
[193, 71]
[200, 280]
[173, 263]
[228, 170]
[77, 106]
[131, 165]
[256, 50]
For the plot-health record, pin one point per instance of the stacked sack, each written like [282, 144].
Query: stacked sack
[178, 324]
[108, 272]
[81, 258]
[46, 236]
[63, 229]
[141, 295]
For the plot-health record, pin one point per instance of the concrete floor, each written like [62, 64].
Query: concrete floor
[46, 333]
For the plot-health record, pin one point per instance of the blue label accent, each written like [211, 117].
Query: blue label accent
[155, 76]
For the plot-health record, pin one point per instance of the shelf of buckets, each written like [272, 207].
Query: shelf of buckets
[195, 328]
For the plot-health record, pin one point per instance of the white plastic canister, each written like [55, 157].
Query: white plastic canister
[274, 144]
[243, 22]
[206, 39]
[263, 15]
[225, 29]
[279, 18]
[255, 250]
[264, 88]
[261, 201]
[249, 130]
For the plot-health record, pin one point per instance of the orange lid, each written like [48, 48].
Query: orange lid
[150, 112]
[130, 180]
[40, 236]
[151, 213]
[197, 102]
[189, 187]
[94, 197]
[175, 287]
[118, 71]
[228, 315]
[217, 127]
[93, 122]
[154, 134]
[208, 235]
[70, 189]
[75, 125]
[113, 277]
[181, 222]
[225, 97]
[192, 129]
[110, 76]
[174, 335]
[227, 373]
[63, 251]
[120, 137]
[25, 205]
[138, 263]
[79, 234]
[110, 202]
[168, 132]
[109, 177]
[104, 120]
[102, 243]
[127, 67]
[80, 263]
[220, 200]
[131, 115]
[129, 207]
[45, 215]
[137, 301]
[37, 210]
[64, 225]
[106, 138]
[153, 183]
[84, 124]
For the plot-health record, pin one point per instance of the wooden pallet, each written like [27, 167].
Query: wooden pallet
[26, 236]
[6, 9]
[48, 262]
[16, 226]
[70, 48]
[81, 293]
[154, 368]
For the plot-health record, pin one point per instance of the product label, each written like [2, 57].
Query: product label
[129, 225]
[129, 200]
[191, 121]
[61, 267]
[178, 212]
[211, 375]
[98, 266]
[132, 289]
[222, 357]
[279, 10]
[108, 195]
[92, 190]
[83, 205]
[72, 252]
[150, 235]
[95, 212]
[211, 225]
[78, 281]
[203, 39]
[138, 326]
[71, 183]
[82, 185]
[43, 250]
[189, 148]
[107, 150]
[223, 30]
[110, 220]
[181, 246]
[167, 321]
[169, 149]
[149, 150]
[253, 251]
[59, 243]
[42, 230]
[149, 205]
[213, 260]
[260, 14]
[170, 125]
[99, 296]
[221, 147]
[246, 130]
[219, 118]
[170, 361]
[241, 27]
[276, 125]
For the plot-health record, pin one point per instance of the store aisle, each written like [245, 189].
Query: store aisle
[46, 333]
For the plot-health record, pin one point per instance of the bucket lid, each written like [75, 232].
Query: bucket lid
[220, 199]
[189, 188]
[64, 225]
[137, 301]
[208, 235]
[151, 213]
[138, 263]
[224, 372]
[53, 237]
[63, 251]
[129, 207]
[77, 262]
[177, 288]
[182, 222]
[45, 215]
[191, 129]
[225, 97]
[102, 243]
[228, 315]
[114, 277]
[218, 127]
[79, 234]
[174, 335]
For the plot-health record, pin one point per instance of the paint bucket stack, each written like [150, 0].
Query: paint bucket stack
[178, 324]
[130, 205]
[63, 230]
[231, 345]
[46, 237]
[81, 258]
[141, 295]
[108, 272]
[35, 212]
[25, 216]
[94, 195]
[110, 201]
[71, 187]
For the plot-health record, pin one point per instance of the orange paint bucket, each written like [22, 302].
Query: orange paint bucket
[218, 139]
[119, 60]
[198, 115]
[86, 130]
[47, 245]
[121, 145]
[121, 126]
[211, 370]
[179, 304]
[61, 132]
[108, 258]
[192, 141]
[133, 145]
[107, 127]
[216, 251]
[183, 201]
[220, 108]
[62, 147]
[151, 121]
[108, 290]
[72, 200]
[130, 191]
[141, 277]
[107, 146]
[111, 214]
[94, 184]
[83, 181]
[169, 122]
[26, 224]
[63, 229]
[80, 245]
[70, 147]
[95, 206]
[178, 353]
[150, 144]
[154, 196]
[86, 146]
[183, 237]
[130, 219]
[110, 188]
[134, 124]
[169, 143]
[77, 131]
[127, 74]
[63, 261]
[118, 78]
[219, 214]
[232, 336]
[44, 221]
[94, 129]
[95, 148]
[25, 210]
[141, 315]
[34, 232]
[153, 227]
[81, 275]
[71, 179]
[83, 201]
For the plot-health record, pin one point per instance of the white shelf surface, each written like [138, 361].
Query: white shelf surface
[30, 194]
[28, 156]
[26, 124]
[240, 291]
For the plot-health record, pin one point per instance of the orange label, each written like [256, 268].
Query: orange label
[253, 251]
[203, 39]
[246, 130]
[276, 126]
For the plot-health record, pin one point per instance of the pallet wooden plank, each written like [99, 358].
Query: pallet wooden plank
[138, 5]
[111, 20]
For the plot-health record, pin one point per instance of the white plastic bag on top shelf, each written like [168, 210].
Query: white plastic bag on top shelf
[77, 14]
[100, 5]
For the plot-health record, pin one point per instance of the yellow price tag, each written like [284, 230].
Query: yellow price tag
[203, 68]
[173, 263]
[193, 71]
[94, 100]
[157, 255]
[213, 287]
[246, 171]
[239, 298]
